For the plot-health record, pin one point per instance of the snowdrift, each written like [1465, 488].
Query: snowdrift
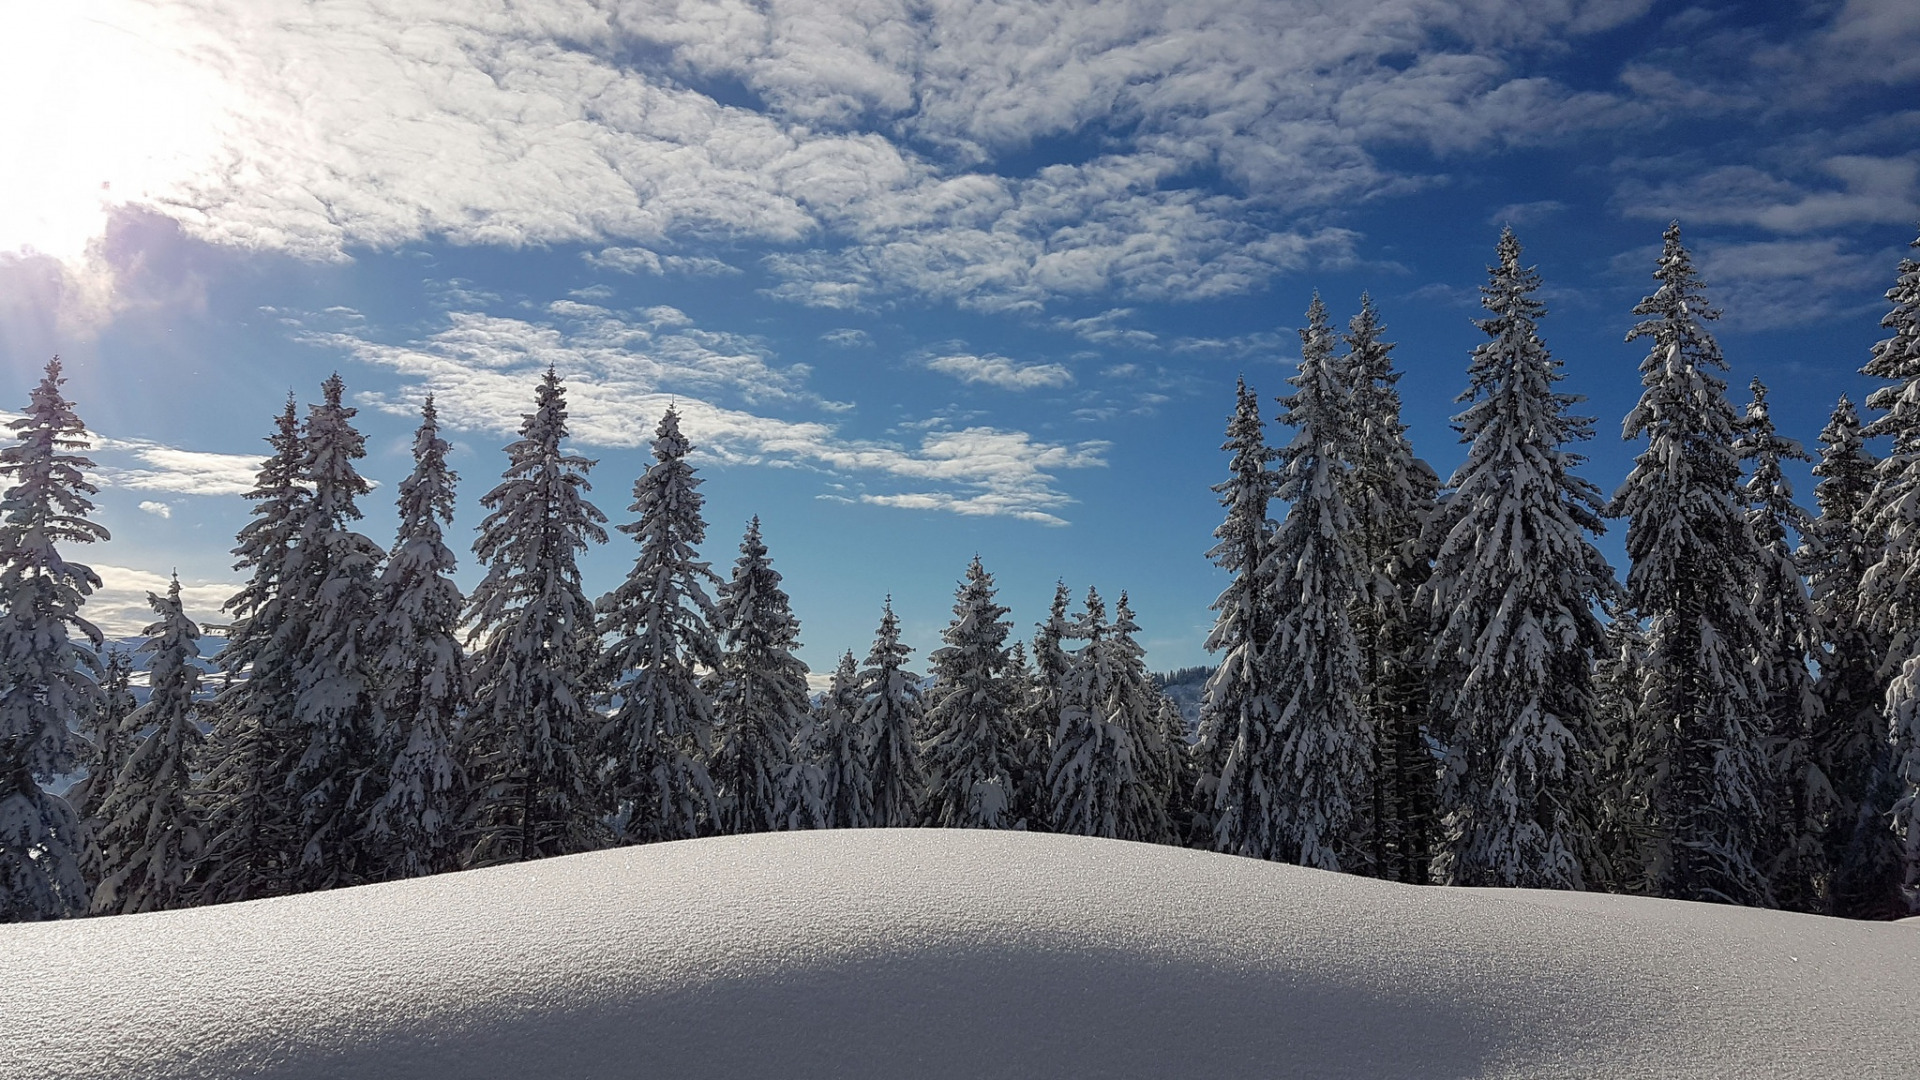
[923, 953]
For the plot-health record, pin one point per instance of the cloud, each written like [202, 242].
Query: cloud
[639, 260]
[1869, 190]
[622, 371]
[157, 509]
[1526, 213]
[847, 338]
[1105, 328]
[120, 608]
[1764, 285]
[171, 469]
[1001, 372]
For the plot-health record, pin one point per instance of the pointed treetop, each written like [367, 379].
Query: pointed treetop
[668, 443]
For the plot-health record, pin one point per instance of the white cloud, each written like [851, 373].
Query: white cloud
[157, 509]
[1001, 372]
[120, 608]
[639, 260]
[847, 337]
[1869, 190]
[171, 469]
[1105, 328]
[621, 373]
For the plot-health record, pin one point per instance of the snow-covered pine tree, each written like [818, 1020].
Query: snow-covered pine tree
[104, 743]
[759, 692]
[1237, 704]
[968, 752]
[152, 837]
[46, 676]
[1797, 792]
[1298, 787]
[1694, 559]
[1181, 776]
[532, 651]
[1041, 715]
[1892, 586]
[890, 718]
[1391, 492]
[1033, 739]
[1511, 598]
[413, 827]
[1093, 757]
[660, 731]
[1134, 708]
[846, 787]
[246, 814]
[1850, 745]
[1631, 754]
[332, 574]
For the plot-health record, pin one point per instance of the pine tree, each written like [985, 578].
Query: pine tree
[1693, 560]
[1045, 700]
[1797, 791]
[1134, 709]
[1850, 746]
[46, 676]
[1392, 494]
[1033, 742]
[532, 651]
[1630, 759]
[969, 752]
[1297, 788]
[1237, 704]
[660, 733]
[413, 828]
[1512, 595]
[1892, 586]
[889, 720]
[759, 692]
[332, 572]
[1093, 757]
[152, 838]
[846, 785]
[244, 808]
[104, 742]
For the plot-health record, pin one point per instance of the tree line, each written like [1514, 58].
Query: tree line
[1420, 680]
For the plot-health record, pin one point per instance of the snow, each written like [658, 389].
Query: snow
[937, 953]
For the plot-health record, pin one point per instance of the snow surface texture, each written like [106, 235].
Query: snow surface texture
[949, 953]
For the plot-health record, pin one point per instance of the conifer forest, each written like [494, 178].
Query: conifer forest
[1427, 679]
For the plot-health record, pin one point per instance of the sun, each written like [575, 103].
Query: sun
[107, 103]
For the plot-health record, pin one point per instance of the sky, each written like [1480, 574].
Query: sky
[925, 280]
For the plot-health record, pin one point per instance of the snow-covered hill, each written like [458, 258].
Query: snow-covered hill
[914, 954]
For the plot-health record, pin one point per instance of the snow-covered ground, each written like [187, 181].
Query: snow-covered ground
[922, 953]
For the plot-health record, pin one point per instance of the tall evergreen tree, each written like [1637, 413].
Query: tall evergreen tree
[1850, 745]
[1093, 759]
[413, 828]
[46, 676]
[1298, 787]
[1237, 705]
[660, 733]
[1134, 708]
[759, 692]
[1693, 560]
[889, 720]
[244, 806]
[1512, 595]
[533, 650]
[152, 838]
[1630, 757]
[969, 751]
[1893, 584]
[1038, 712]
[846, 784]
[1391, 492]
[1797, 791]
[332, 573]
[104, 742]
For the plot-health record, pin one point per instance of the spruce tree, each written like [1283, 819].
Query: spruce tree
[1134, 709]
[660, 731]
[1694, 559]
[1512, 595]
[1033, 741]
[1391, 492]
[46, 676]
[759, 693]
[1850, 745]
[1892, 586]
[413, 828]
[532, 651]
[889, 720]
[846, 785]
[1093, 758]
[245, 810]
[1631, 754]
[968, 753]
[152, 838]
[104, 742]
[332, 573]
[1237, 704]
[1797, 791]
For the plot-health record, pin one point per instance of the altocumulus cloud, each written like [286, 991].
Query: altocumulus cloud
[1001, 372]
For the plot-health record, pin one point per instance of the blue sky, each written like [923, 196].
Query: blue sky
[926, 279]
